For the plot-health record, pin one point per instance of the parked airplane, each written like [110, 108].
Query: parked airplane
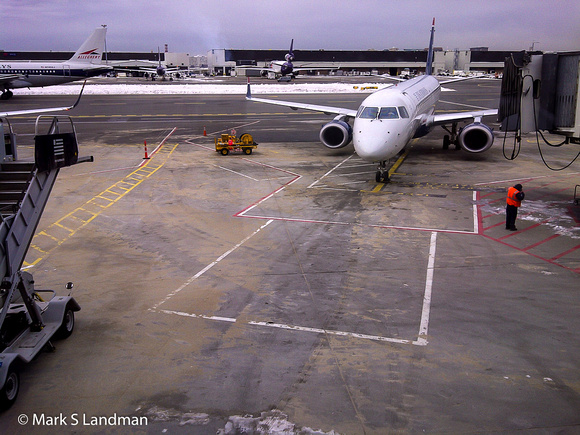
[86, 62]
[388, 119]
[157, 69]
[284, 70]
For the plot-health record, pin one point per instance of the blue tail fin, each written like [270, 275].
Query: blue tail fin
[429, 69]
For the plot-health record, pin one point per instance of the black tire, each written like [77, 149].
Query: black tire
[225, 151]
[446, 142]
[9, 391]
[68, 324]
[247, 151]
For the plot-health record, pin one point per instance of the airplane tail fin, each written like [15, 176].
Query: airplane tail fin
[429, 69]
[91, 51]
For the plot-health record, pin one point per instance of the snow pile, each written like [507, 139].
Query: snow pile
[199, 89]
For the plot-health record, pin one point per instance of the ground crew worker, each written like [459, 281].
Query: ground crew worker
[514, 200]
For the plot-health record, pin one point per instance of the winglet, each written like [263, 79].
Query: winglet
[249, 91]
[49, 109]
[79, 98]
[429, 68]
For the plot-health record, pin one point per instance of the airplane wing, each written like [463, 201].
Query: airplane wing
[7, 78]
[457, 79]
[315, 68]
[459, 116]
[256, 68]
[49, 109]
[327, 110]
[389, 77]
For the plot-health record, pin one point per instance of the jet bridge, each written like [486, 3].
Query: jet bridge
[29, 318]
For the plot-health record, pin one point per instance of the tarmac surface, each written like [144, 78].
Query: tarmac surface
[288, 289]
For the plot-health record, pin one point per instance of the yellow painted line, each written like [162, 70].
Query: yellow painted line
[49, 243]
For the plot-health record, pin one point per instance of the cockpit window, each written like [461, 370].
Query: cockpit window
[382, 112]
[368, 112]
[388, 113]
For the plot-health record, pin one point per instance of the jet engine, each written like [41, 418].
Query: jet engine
[475, 138]
[336, 134]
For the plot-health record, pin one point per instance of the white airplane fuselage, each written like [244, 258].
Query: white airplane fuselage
[380, 138]
[36, 74]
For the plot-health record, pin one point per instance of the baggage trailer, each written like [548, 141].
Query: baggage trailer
[29, 318]
[227, 143]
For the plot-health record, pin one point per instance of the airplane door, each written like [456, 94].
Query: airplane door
[66, 70]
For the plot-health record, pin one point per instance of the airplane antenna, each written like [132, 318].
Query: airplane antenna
[429, 69]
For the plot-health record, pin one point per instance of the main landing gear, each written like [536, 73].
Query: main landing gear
[451, 138]
[382, 175]
[6, 94]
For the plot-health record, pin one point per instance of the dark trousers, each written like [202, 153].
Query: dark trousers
[511, 213]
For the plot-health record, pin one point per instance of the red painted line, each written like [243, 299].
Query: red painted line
[553, 236]
[493, 226]
[478, 214]
[503, 198]
[551, 261]
[296, 177]
[566, 253]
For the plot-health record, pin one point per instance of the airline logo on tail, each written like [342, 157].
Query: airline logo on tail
[90, 54]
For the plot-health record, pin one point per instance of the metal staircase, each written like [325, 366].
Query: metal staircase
[29, 318]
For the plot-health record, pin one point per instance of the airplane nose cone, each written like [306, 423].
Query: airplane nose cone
[370, 148]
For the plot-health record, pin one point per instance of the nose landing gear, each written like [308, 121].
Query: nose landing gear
[382, 175]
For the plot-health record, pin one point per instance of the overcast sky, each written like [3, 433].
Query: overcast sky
[195, 26]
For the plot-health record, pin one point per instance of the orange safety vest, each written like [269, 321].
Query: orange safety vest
[511, 197]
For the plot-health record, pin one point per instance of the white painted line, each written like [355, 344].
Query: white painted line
[237, 173]
[475, 219]
[329, 172]
[295, 328]
[347, 174]
[316, 221]
[209, 266]
[424, 327]
[330, 332]
[200, 316]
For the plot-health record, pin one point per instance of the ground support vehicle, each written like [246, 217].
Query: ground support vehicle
[29, 318]
[228, 143]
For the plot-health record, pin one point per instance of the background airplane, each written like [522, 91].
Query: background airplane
[388, 119]
[86, 62]
[284, 70]
[157, 69]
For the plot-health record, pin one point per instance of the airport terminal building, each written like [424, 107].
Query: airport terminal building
[393, 62]
[225, 61]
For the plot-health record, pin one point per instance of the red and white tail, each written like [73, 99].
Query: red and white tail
[91, 51]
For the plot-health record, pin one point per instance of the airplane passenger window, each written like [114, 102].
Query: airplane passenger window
[388, 113]
[403, 112]
[369, 113]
